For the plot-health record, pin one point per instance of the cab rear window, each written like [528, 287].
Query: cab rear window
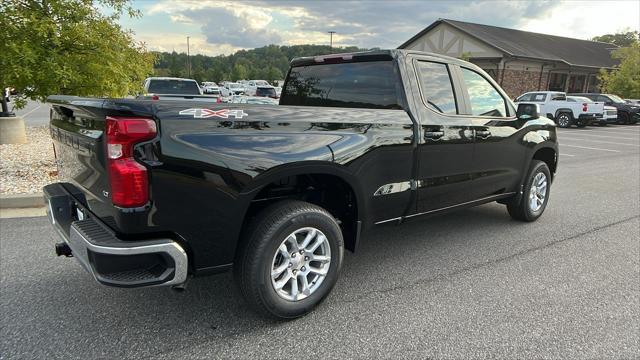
[169, 86]
[373, 84]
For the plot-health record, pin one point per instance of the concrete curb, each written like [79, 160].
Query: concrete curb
[21, 201]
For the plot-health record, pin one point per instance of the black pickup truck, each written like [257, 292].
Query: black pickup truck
[155, 192]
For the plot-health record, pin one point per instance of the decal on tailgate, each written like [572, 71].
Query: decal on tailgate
[207, 113]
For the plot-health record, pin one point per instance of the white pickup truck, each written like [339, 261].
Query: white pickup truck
[554, 105]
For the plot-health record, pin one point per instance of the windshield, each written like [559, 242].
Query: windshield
[234, 86]
[371, 84]
[179, 87]
[261, 83]
[616, 99]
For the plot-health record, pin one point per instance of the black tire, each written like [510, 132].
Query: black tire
[623, 118]
[520, 210]
[252, 268]
[564, 120]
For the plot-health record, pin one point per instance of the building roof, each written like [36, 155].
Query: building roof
[525, 44]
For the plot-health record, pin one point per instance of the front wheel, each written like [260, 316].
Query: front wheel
[290, 259]
[535, 194]
[563, 120]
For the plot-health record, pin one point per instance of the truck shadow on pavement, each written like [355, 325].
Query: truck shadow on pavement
[211, 307]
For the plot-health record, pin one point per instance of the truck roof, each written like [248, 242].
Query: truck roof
[384, 54]
[168, 78]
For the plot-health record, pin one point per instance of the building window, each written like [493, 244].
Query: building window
[557, 81]
[576, 83]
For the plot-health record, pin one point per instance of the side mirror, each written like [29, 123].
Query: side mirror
[528, 111]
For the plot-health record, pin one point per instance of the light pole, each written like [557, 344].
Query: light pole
[331, 38]
[188, 59]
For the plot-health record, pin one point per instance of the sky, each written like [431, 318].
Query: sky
[223, 27]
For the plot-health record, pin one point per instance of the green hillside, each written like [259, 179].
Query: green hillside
[267, 63]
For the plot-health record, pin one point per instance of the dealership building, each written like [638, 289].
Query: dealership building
[519, 61]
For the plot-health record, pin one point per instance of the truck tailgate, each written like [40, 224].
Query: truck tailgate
[77, 128]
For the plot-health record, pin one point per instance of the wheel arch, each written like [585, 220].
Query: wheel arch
[334, 188]
[564, 110]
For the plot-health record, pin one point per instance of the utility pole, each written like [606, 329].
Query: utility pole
[331, 38]
[188, 59]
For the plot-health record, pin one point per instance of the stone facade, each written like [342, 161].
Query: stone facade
[518, 82]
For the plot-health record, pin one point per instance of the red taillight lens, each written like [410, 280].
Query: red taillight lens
[584, 107]
[128, 178]
[155, 97]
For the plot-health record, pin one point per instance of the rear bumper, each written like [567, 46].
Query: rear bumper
[112, 261]
[587, 119]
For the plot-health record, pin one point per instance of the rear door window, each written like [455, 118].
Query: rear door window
[436, 87]
[539, 97]
[372, 84]
[484, 98]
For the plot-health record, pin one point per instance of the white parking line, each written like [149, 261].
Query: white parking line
[591, 148]
[599, 141]
[628, 130]
[563, 154]
[32, 110]
[605, 136]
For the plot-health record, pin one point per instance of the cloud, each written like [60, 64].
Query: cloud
[385, 24]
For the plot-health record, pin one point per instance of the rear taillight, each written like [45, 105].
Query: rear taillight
[155, 97]
[584, 107]
[218, 100]
[128, 178]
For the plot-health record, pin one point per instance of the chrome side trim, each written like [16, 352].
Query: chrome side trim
[488, 198]
[170, 248]
[393, 188]
[389, 220]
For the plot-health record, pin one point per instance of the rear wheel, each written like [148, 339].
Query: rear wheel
[290, 259]
[623, 118]
[535, 195]
[563, 120]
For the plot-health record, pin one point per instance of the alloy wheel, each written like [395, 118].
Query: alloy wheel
[300, 264]
[538, 192]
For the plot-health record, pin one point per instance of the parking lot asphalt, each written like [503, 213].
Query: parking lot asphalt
[35, 113]
[471, 284]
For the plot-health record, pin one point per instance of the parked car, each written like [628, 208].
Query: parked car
[627, 113]
[278, 90]
[252, 86]
[266, 91]
[154, 193]
[609, 115]
[242, 99]
[170, 88]
[554, 105]
[231, 88]
[633, 101]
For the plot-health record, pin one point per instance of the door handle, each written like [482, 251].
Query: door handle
[483, 134]
[433, 135]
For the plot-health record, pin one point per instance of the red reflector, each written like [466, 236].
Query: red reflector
[155, 97]
[129, 183]
[128, 178]
[584, 106]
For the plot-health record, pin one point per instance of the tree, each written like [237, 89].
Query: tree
[624, 80]
[69, 47]
[622, 39]
[239, 72]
